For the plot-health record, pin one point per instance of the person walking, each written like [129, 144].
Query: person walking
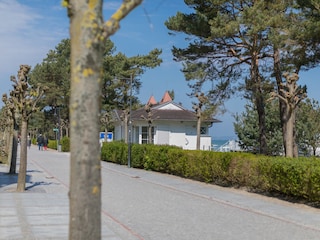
[45, 143]
[29, 141]
[40, 142]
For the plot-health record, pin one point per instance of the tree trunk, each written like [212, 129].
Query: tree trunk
[295, 145]
[126, 127]
[149, 134]
[86, 65]
[105, 134]
[282, 105]
[13, 149]
[9, 147]
[198, 132]
[23, 157]
[259, 101]
[289, 125]
[262, 124]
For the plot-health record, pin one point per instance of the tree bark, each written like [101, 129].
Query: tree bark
[259, 101]
[13, 152]
[126, 127]
[262, 124]
[23, 157]
[149, 134]
[198, 131]
[9, 148]
[88, 34]
[282, 105]
[105, 134]
[289, 139]
[86, 65]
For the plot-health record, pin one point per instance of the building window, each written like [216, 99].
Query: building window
[203, 130]
[144, 135]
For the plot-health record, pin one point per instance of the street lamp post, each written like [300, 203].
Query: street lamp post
[130, 124]
[59, 126]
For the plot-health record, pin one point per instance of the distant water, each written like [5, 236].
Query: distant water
[218, 143]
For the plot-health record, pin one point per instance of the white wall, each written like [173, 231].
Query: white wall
[180, 134]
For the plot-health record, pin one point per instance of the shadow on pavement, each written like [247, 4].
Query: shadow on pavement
[36, 184]
[7, 179]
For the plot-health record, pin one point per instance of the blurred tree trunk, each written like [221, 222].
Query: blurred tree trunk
[88, 35]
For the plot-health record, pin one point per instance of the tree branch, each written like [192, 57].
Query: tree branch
[113, 24]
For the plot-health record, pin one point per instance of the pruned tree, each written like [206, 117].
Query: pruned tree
[149, 118]
[88, 33]
[119, 89]
[291, 95]
[209, 93]
[25, 100]
[106, 120]
[202, 100]
[65, 125]
[11, 132]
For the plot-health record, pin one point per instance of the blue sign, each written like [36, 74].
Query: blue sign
[109, 136]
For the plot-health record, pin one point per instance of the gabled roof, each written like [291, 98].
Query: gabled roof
[168, 111]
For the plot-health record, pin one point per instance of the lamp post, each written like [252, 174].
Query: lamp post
[59, 126]
[130, 123]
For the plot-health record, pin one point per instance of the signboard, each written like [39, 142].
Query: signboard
[109, 136]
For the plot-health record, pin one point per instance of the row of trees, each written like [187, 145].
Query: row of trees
[120, 77]
[257, 47]
[19, 106]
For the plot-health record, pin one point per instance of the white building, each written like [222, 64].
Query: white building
[171, 125]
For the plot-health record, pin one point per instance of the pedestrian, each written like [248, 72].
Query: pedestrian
[45, 143]
[29, 141]
[40, 141]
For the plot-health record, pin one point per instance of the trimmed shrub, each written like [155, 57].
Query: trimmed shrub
[298, 177]
[65, 144]
[52, 144]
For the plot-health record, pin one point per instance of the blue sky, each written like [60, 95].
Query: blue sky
[30, 28]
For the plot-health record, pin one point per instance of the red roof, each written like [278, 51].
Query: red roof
[152, 101]
[166, 98]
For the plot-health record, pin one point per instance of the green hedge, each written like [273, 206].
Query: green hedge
[65, 144]
[297, 177]
[52, 144]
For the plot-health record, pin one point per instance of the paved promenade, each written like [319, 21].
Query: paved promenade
[139, 204]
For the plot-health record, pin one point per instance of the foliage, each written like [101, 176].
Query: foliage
[246, 128]
[25, 100]
[65, 144]
[52, 144]
[248, 45]
[54, 72]
[307, 127]
[293, 177]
